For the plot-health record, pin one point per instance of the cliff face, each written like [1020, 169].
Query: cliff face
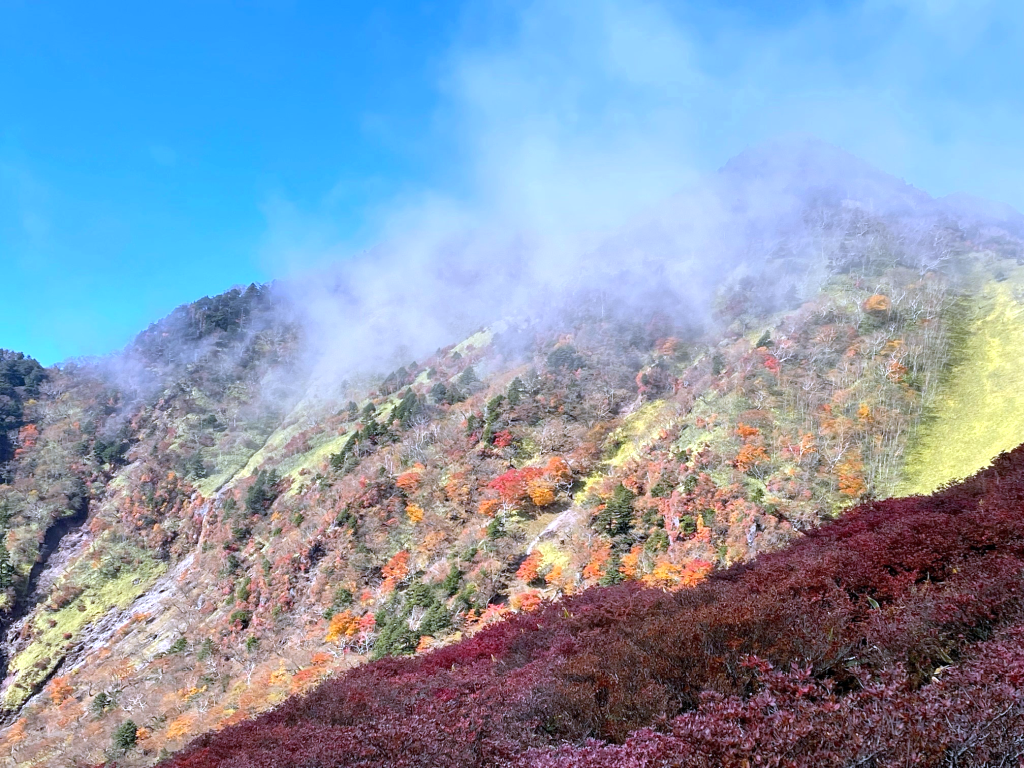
[209, 522]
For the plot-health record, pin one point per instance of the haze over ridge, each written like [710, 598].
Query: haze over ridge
[540, 116]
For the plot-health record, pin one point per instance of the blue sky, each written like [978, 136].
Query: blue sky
[150, 156]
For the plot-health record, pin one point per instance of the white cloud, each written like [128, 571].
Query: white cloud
[567, 122]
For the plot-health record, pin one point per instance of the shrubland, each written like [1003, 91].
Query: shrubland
[551, 518]
[889, 637]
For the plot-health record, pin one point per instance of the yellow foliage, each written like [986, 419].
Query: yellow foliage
[630, 566]
[665, 575]
[979, 409]
[279, 676]
[864, 413]
[343, 624]
[181, 726]
[542, 492]
[878, 303]
[415, 513]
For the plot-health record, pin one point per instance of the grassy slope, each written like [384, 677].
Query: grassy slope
[54, 631]
[980, 411]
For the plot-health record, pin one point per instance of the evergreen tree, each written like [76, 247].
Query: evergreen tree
[6, 567]
[126, 736]
[616, 519]
[515, 392]
[261, 494]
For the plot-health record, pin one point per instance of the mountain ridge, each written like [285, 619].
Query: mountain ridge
[259, 516]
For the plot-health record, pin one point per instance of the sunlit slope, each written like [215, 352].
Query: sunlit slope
[980, 411]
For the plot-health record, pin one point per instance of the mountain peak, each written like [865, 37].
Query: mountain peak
[807, 168]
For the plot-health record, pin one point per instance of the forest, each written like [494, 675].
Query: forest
[592, 535]
[889, 637]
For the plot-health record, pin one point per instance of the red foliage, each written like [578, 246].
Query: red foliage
[513, 485]
[894, 636]
[503, 438]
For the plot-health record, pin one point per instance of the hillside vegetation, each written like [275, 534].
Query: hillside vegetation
[220, 518]
[890, 637]
[980, 407]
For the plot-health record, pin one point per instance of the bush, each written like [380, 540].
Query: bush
[893, 636]
[125, 736]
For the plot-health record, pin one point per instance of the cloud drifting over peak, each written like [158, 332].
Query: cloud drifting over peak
[560, 124]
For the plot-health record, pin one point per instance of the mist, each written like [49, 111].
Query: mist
[619, 155]
[582, 152]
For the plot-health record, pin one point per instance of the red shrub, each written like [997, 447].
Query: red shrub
[891, 637]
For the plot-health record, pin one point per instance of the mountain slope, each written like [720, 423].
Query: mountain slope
[980, 407]
[841, 648]
[225, 514]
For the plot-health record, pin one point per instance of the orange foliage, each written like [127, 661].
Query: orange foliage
[424, 644]
[526, 601]
[69, 712]
[343, 624]
[666, 347]
[554, 574]
[16, 734]
[694, 573]
[528, 571]
[122, 670]
[895, 370]
[878, 303]
[745, 431]
[457, 487]
[558, 469]
[397, 568]
[750, 456]
[410, 481]
[415, 513]
[598, 561]
[542, 492]
[489, 507]
[851, 477]
[27, 437]
[433, 540]
[60, 689]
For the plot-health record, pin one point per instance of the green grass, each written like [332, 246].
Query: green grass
[44, 653]
[640, 429]
[979, 411]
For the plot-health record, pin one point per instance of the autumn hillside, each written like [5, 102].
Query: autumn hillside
[890, 637]
[237, 509]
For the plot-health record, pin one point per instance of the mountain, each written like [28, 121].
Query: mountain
[842, 648]
[276, 484]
